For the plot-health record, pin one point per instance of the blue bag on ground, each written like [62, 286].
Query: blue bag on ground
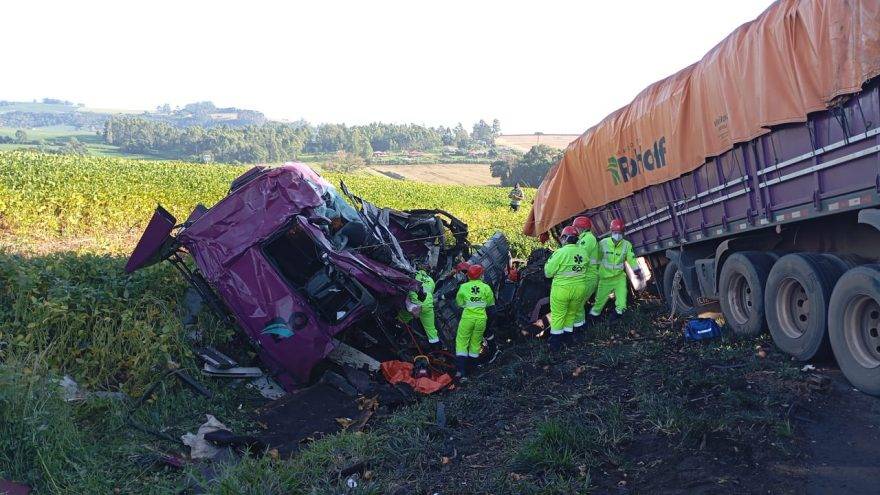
[701, 329]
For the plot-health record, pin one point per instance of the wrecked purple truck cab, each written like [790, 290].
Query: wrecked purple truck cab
[295, 265]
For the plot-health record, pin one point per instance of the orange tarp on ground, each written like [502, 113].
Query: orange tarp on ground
[792, 60]
[401, 371]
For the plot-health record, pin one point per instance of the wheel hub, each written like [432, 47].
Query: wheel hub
[793, 308]
[862, 330]
[740, 299]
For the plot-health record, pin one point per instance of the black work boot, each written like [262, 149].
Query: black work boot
[555, 342]
[461, 368]
[567, 338]
[614, 317]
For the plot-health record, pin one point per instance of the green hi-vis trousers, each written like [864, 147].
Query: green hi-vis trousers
[426, 317]
[469, 336]
[564, 303]
[592, 284]
[615, 284]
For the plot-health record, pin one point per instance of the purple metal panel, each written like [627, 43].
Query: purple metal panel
[155, 236]
[247, 217]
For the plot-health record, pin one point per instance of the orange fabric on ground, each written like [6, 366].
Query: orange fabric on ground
[401, 371]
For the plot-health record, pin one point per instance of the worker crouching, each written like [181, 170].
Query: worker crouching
[473, 296]
[568, 269]
[614, 251]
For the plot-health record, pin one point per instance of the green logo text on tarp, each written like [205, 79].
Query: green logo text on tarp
[623, 168]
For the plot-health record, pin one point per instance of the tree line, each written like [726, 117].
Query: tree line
[274, 141]
[526, 170]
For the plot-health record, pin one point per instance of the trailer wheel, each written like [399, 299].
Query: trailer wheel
[796, 299]
[741, 291]
[853, 326]
[675, 291]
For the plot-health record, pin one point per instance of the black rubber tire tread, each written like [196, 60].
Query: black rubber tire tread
[682, 309]
[845, 261]
[755, 266]
[817, 274]
[861, 280]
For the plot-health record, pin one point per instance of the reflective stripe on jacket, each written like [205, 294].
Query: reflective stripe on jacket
[474, 296]
[613, 256]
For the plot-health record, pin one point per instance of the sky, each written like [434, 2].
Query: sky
[548, 66]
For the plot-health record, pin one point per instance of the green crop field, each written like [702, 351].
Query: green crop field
[570, 423]
[67, 224]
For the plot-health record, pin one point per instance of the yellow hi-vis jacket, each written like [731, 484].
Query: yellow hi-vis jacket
[612, 256]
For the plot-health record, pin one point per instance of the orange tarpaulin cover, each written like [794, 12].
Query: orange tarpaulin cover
[401, 371]
[792, 60]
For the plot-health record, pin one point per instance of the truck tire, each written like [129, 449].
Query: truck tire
[741, 291]
[679, 299]
[796, 300]
[853, 326]
[844, 261]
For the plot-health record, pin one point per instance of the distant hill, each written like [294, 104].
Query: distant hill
[524, 142]
[53, 112]
[45, 106]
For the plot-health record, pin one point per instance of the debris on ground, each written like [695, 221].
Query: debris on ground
[71, 391]
[267, 387]
[200, 448]
[402, 372]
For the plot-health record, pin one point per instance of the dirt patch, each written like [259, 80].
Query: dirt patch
[524, 142]
[840, 434]
[462, 174]
[634, 409]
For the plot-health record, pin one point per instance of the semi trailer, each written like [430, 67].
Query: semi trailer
[753, 178]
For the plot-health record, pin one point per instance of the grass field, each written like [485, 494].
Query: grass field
[50, 132]
[463, 174]
[66, 307]
[56, 136]
[629, 407]
[37, 107]
[524, 142]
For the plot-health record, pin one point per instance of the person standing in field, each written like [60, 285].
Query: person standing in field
[588, 241]
[614, 252]
[516, 196]
[473, 296]
[568, 269]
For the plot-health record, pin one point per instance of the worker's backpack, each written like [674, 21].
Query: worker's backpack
[701, 329]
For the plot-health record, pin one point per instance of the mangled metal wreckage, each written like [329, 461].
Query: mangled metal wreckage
[301, 270]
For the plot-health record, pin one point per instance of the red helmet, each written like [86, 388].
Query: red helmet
[569, 231]
[475, 271]
[617, 225]
[462, 267]
[582, 223]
